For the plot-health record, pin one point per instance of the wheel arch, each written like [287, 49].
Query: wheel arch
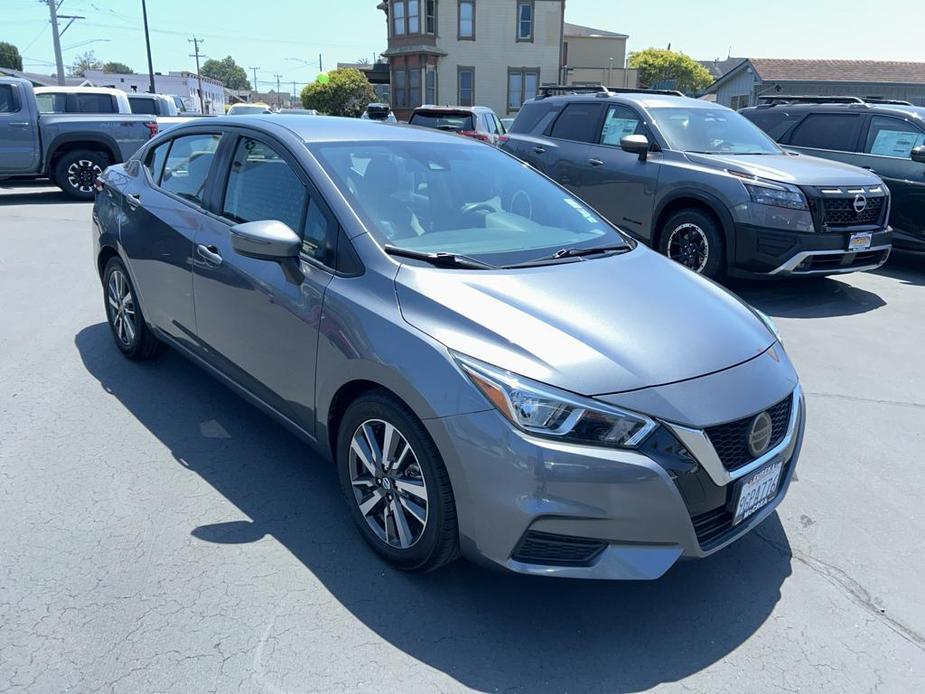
[700, 200]
[64, 144]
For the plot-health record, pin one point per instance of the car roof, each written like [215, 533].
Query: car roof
[81, 90]
[644, 99]
[453, 109]
[312, 129]
[892, 109]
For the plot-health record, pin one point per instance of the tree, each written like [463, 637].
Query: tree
[671, 70]
[226, 71]
[117, 68]
[84, 62]
[9, 56]
[345, 93]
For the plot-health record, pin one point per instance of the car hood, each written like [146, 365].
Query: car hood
[799, 169]
[605, 325]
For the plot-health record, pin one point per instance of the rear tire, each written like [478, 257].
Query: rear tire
[76, 172]
[400, 500]
[694, 239]
[131, 333]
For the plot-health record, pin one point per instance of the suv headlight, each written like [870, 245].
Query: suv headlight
[777, 195]
[542, 410]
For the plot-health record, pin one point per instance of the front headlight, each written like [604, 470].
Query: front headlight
[777, 195]
[542, 410]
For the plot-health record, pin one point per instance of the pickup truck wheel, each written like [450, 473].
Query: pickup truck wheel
[76, 171]
[693, 239]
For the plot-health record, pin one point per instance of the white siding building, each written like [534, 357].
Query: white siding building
[182, 84]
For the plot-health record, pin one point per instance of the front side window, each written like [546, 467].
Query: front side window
[398, 17]
[711, 131]
[51, 102]
[521, 86]
[578, 122]
[525, 20]
[460, 198]
[892, 137]
[7, 101]
[187, 167]
[466, 19]
[96, 103]
[618, 123]
[466, 91]
[836, 131]
[262, 185]
[414, 17]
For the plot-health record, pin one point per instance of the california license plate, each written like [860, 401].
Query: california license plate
[756, 491]
[859, 242]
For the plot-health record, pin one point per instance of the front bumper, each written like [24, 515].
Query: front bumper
[515, 492]
[771, 252]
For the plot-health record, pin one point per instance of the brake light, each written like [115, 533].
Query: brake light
[98, 184]
[152, 129]
[476, 134]
[502, 138]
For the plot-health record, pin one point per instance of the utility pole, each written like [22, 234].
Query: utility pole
[196, 42]
[254, 70]
[279, 97]
[56, 38]
[144, 14]
[320, 68]
[294, 94]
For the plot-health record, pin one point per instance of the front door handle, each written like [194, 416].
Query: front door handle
[209, 254]
[133, 200]
[595, 162]
[539, 150]
[19, 124]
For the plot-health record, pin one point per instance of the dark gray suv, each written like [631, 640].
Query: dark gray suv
[704, 185]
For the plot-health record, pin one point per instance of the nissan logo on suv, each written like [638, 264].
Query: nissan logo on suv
[860, 203]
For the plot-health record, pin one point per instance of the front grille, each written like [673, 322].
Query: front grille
[840, 261]
[557, 550]
[839, 212]
[731, 440]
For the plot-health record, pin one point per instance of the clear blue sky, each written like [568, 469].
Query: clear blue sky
[269, 33]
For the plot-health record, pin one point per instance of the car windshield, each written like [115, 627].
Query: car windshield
[711, 131]
[463, 199]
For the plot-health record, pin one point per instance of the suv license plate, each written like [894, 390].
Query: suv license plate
[859, 242]
[757, 490]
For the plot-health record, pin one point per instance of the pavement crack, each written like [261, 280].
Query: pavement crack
[876, 401]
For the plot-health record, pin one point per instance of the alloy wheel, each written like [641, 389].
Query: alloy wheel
[82, 173]
[121, 306]
[388, 483]
[688, 246]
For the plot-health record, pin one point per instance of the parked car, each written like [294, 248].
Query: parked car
[380, 112]
[298, 112]
[507, 123]
[163, 107]
[703, 185]
[82, 100]
[496, 370]
[884, 137]
[248, 109]
[479, 122]
[71, 149]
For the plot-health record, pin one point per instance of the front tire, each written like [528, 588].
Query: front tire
[76, 172]
[132, 335]
[694, 239]
[396, 485]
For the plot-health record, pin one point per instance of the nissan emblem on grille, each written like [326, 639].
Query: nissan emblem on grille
[759, 434]
[860, 203]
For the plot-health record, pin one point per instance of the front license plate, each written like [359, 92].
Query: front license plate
[859, 242]
[756, 491]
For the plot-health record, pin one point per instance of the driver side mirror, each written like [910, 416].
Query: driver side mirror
[266, 239]
[635, 144]
[918, 154]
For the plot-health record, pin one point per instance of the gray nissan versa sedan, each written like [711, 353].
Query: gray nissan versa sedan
[496, 370]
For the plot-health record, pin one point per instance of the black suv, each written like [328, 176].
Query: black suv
[704, 185]
[886, 137]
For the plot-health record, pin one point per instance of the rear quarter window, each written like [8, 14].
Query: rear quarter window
[96, 103]
[143, 105]
[7, 99]
[533, 117]
[775, 123]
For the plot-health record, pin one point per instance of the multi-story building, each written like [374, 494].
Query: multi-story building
[492, 53]
[596, 56]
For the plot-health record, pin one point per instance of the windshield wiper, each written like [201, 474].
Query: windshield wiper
[440, 258]
[563, 253]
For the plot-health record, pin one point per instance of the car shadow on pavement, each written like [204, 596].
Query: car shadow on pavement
[819, 297]
[487, 630]
[32, 193]
[906, 266]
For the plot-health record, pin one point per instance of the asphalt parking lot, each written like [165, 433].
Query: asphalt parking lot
[158, 534]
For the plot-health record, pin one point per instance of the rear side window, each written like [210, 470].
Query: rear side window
[443, 121]
[774, 123]
[892, 137]
[143, 105]
[187, 167]
[96, 103]
[154, 162]
[7, 99]
[837, 131]
[578, 122]
[51, 103]
[534, 116]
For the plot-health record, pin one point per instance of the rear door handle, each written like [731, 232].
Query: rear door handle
[133, 200]
[595, 162]
[539, 150]
[209, 254]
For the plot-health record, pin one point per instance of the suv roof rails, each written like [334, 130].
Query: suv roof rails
[891, 102]
[774, 99]
[600, 90]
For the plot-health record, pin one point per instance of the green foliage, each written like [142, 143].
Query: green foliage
[226, 71]
[346, 93]
[117, 68]
[83, 62]
[657, 66]
[9, 56]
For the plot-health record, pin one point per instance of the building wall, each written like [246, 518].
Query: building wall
[738, 91]
[618, 77]
[595, 51]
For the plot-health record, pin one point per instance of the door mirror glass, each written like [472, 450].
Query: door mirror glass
[635, 144]
[267, 239]
[918, 154]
